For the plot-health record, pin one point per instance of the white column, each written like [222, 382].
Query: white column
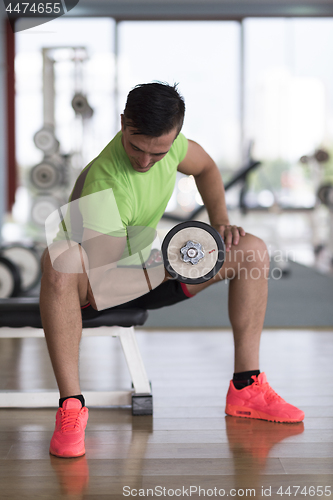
[3, 115]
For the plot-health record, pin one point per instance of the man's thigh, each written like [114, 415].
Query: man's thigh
[65, 263]
[250, 251]
[166, 294]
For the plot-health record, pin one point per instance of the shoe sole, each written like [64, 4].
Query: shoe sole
[80, 454]
[244, 412]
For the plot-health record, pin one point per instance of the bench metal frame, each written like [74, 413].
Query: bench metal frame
[140, 397]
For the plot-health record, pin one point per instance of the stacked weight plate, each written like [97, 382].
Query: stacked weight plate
[19, 269]
[46, 179]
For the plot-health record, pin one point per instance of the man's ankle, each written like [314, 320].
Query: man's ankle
[243, 379]
[78, 396]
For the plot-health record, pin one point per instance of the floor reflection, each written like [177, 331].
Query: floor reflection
[250, 442]
[72, 474]
[132, 472]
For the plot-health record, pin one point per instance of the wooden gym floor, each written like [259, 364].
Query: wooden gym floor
[189, 442]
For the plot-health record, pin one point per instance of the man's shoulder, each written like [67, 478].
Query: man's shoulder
[179, 147]
[114, 146]
[180, 139]
[109, 164]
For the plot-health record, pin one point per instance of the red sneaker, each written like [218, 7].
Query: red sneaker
[68, 437]
[258, 400]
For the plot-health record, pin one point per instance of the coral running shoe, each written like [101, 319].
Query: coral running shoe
[258, 400]
[68, 437]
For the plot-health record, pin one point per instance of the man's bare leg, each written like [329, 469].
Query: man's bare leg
[61, 296]
[247, 267]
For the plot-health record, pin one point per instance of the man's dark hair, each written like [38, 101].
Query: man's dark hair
[154, 109]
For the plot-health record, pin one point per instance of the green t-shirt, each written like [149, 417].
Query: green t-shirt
[110, 196]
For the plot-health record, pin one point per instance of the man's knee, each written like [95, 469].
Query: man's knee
[250, 249]
[65, 257]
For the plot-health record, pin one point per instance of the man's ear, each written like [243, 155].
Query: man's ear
[122, 120]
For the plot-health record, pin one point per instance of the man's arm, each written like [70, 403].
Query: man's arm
[210, 185]
[112, 285]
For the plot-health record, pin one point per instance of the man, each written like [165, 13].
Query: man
[134, 176]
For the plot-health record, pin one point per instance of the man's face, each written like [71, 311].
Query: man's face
[144, 151]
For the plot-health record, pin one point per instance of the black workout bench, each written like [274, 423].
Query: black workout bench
[20, 318]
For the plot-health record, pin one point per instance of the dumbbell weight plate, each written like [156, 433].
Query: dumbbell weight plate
[325, 194]
[27, 260]
[10, 280]
[45, 140]
[329, 197]
[43, 206]
[321, 156]
[210, 242]
[45, 176]
[81, 106]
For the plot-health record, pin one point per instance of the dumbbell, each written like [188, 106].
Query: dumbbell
[10, 278]
[81, 106]
[46, 141]
[27, 261]
[193, 252]
[42, 207]
[325, 194]
[45, 175]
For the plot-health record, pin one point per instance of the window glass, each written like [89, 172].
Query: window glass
[94, 78]
[289, 104]
[203, 57]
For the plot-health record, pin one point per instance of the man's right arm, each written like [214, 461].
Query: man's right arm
[112, 285]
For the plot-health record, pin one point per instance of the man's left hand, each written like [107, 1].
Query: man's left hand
[230, 234]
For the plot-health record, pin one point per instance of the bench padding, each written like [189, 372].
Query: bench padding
[24, 311]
